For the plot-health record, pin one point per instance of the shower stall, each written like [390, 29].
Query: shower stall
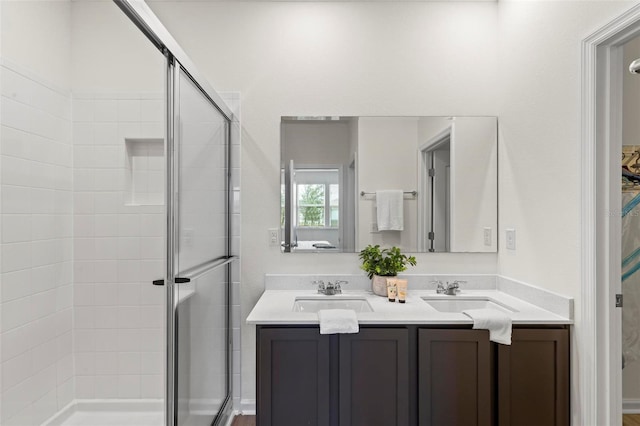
[118, 258]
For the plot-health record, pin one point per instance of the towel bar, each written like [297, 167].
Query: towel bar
[412, 193]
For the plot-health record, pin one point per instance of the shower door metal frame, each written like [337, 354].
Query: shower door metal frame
[174, 73]
[178, 63]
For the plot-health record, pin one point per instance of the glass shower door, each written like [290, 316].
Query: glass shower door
[200, 228]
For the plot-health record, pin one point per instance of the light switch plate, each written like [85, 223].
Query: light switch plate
[511, 239]
[487, 237]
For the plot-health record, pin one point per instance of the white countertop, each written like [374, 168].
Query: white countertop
[275, 307]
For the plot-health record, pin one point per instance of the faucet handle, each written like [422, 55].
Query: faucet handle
[456, 285]
[440, 288]
[338, 285]
[319, 284]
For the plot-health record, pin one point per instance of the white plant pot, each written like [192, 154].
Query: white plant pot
[379, 285]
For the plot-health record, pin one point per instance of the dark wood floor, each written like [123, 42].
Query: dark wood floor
[249, 421]
[627, 420]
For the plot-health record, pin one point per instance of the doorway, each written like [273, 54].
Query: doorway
[600, 333]
[435, 207]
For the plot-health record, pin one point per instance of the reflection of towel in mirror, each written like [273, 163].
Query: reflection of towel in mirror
[390, 213]
[334, 321]
[498, 324]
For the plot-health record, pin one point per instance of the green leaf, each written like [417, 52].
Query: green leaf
[384, 262]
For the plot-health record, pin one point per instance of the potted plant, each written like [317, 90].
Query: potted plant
[382, 263]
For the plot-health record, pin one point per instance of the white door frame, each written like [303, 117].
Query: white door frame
[598, 332]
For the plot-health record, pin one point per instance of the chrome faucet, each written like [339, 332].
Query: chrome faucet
[329, 289]
[320, 285]
[448, 289]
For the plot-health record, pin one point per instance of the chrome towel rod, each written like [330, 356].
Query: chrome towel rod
[412, 193]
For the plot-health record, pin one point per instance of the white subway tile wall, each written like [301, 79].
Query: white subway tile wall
[36, 273]
[79, 318]
[118, 250]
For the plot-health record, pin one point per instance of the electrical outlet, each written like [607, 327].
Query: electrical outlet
[273, 237]
[487, 237]
[511, 239]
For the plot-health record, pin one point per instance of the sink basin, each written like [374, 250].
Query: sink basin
[315, 304]
[458, 304]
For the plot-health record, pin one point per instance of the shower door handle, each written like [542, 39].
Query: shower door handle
[178, 280]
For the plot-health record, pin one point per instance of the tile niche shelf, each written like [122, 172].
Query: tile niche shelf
[145, 171]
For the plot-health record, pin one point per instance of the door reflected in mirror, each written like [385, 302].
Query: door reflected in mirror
[438, 177]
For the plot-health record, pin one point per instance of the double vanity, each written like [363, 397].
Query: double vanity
[413, 363]
[417, 363]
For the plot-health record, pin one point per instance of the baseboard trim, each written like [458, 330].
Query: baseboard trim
[120, 405]
[631, 406]
[248, 407]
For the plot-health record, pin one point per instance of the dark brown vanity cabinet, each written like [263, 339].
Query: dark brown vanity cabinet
[533, 378]
[293, 377]
[455, 378]
[413, 375]
[374, 377]
[305, 378]
[464, 379]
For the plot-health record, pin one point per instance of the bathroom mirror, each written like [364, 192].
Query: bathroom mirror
[438, 177]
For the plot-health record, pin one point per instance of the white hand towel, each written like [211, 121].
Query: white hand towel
[498, 324]
[333, 321]
[389, 204]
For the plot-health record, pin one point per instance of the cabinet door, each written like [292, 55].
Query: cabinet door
[533, 378]
[374, 377]
[454, 378]
[293, 377]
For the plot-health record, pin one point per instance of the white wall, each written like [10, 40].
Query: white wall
[539, 127]
[36, 361]
[35, 34]
[350, 58]
[109, 54]
[539, 144]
